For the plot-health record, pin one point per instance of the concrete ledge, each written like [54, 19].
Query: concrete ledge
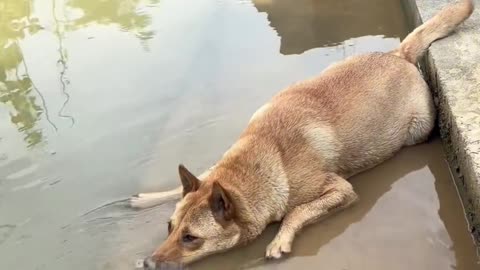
[452, 69]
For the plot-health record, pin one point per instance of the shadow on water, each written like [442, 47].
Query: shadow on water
[26, 102]
[306, 24]
[450, 215]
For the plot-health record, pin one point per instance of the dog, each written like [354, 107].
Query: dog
[292, 162]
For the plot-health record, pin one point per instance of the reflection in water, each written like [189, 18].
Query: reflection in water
[307, 24]
[123, 13]
[16, 88]
[18, 21]
[62, 62]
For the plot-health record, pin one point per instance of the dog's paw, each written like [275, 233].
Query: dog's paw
[278, 247]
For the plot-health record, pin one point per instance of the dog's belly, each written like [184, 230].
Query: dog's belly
[365, 151]
[374, 132]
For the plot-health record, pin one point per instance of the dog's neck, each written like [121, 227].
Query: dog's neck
[253, 173]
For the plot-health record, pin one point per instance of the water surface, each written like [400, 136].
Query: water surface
[101, 99]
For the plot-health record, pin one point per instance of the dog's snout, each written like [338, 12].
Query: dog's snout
[149, 264]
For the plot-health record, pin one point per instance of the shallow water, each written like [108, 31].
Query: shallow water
[102, 99]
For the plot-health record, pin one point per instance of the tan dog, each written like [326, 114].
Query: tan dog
[292, 161]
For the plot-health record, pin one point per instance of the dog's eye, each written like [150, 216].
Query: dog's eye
[170, 227]
[188, 238]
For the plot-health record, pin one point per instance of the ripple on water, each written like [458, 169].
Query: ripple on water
[6, 230]
[121, 235]
[29, 185]
[22, 172]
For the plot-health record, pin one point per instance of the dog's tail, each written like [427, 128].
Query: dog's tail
[415, 44]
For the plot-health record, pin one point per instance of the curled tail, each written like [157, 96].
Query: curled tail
[415, 44]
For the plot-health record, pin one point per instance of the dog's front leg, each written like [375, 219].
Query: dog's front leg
[340, 194]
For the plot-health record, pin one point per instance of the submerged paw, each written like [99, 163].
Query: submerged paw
[278, 248]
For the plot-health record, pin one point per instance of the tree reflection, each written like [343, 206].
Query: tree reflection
[15, 89]
[17, 20]
[306, 24]
[123, 13]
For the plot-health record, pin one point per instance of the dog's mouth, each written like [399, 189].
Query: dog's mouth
[150, 264]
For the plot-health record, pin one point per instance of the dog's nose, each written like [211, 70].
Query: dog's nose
[149, 264]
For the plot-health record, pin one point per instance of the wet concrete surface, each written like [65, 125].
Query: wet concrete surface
[455, 80]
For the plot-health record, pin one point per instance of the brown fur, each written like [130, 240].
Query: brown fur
[438, 27]
[291, 162]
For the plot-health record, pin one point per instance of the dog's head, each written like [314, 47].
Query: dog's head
[204, 222]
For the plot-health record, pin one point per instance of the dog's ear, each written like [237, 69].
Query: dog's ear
[190, 183]
[221, 204]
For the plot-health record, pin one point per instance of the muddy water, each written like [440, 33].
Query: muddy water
[102, 99]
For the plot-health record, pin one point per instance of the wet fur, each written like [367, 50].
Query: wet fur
[292, 161]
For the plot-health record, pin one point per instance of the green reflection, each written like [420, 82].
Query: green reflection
[124, 13]
[15, 89]
[17, 20]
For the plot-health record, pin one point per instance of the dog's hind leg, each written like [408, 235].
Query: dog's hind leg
[146, 200]
[339, 195]
[423, 116]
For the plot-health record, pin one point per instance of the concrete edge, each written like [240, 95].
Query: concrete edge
[451, 71]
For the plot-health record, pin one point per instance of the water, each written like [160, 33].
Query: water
[101, 99]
